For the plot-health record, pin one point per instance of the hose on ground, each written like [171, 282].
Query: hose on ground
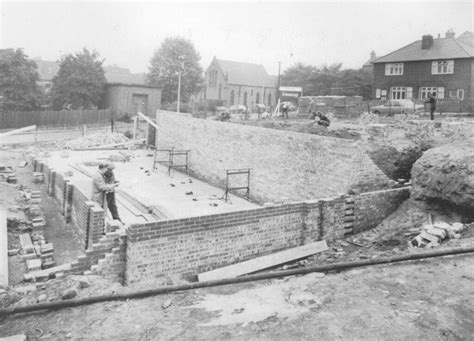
[248, 278]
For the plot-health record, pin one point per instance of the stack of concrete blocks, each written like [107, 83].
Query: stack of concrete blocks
[342, 106]
[7, 174]
[433, 235]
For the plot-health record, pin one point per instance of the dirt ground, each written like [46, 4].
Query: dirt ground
[423, 300]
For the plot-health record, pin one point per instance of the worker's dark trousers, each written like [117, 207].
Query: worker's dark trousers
[432, 113]
[110, 197]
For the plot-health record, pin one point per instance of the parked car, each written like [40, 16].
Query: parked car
[398, 106]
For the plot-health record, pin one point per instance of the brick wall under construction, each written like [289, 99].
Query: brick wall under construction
[186, 247]
[86, 216]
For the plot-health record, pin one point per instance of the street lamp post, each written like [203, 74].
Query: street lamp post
[179, 82]
[179, 89]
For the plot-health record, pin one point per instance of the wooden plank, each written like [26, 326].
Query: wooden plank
[264, 262]
[17, 131]
[3, 248]
[26, 244]
[117, 144]
[146, 118]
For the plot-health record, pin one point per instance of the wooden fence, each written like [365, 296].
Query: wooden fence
[64, 118]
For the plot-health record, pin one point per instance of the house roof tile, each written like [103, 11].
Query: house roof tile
[442, 48]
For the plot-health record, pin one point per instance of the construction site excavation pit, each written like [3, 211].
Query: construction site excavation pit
[145, 193]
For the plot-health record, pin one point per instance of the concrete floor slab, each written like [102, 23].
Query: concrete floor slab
[170, 194]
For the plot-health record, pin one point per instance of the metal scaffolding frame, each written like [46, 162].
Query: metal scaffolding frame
[231, 172]
[170, 162]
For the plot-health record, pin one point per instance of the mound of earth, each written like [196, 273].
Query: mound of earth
[446, 173]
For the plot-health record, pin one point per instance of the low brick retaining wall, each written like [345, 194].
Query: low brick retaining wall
[186, 247]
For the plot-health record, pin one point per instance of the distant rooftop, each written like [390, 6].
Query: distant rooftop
[114, 74]
[441, 48]
[246, 73]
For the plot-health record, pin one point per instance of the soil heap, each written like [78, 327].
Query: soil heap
[446, 174]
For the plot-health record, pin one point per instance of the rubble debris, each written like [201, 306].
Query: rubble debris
[432, 235]
[69, 294]
[94, 140]
[166, 304]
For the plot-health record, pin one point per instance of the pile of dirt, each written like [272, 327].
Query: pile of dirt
[306, 127]
[398, 164]
[94, 140]
[446, 174]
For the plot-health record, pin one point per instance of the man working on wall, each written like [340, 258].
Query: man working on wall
[109, 178]
[100, 187]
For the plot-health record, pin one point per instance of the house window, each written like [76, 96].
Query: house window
[251, 92]
[424, 91]
[398, 92]
[232, 97]
[441, 67]
[393, 69]
[257, 98]
[220, 91]
[269, 100]
[245, 98]
[377, 93]
[457, 94]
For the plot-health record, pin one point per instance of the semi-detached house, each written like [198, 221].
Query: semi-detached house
[444, 66]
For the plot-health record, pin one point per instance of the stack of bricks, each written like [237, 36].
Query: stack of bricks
[7, 174]
[37, 253]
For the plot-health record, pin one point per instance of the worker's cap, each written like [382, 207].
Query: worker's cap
[110, 165]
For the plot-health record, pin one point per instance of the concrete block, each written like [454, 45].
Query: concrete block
[33, 264]
[26, 244]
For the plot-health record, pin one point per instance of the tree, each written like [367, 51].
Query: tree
[174, 55]
[329, 80]
[80, 81]
[18, 82]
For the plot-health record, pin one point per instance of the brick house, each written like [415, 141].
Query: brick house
[236, 83]
[444, 66]
[129, 99]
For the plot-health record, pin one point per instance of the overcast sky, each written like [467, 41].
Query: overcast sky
[127, 33]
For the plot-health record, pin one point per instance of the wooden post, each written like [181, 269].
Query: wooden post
[147, 132]
[135, 126]
[84, 130]
[3, 248]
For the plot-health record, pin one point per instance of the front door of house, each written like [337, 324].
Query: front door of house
[140, 103]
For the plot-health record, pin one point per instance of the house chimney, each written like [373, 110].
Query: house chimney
[450, 34]
[372, 55]
[426, 42]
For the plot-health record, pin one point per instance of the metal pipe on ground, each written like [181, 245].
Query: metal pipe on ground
[249, 278]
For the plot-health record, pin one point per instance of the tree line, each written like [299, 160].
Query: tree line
[80, 81]
[329, 80]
